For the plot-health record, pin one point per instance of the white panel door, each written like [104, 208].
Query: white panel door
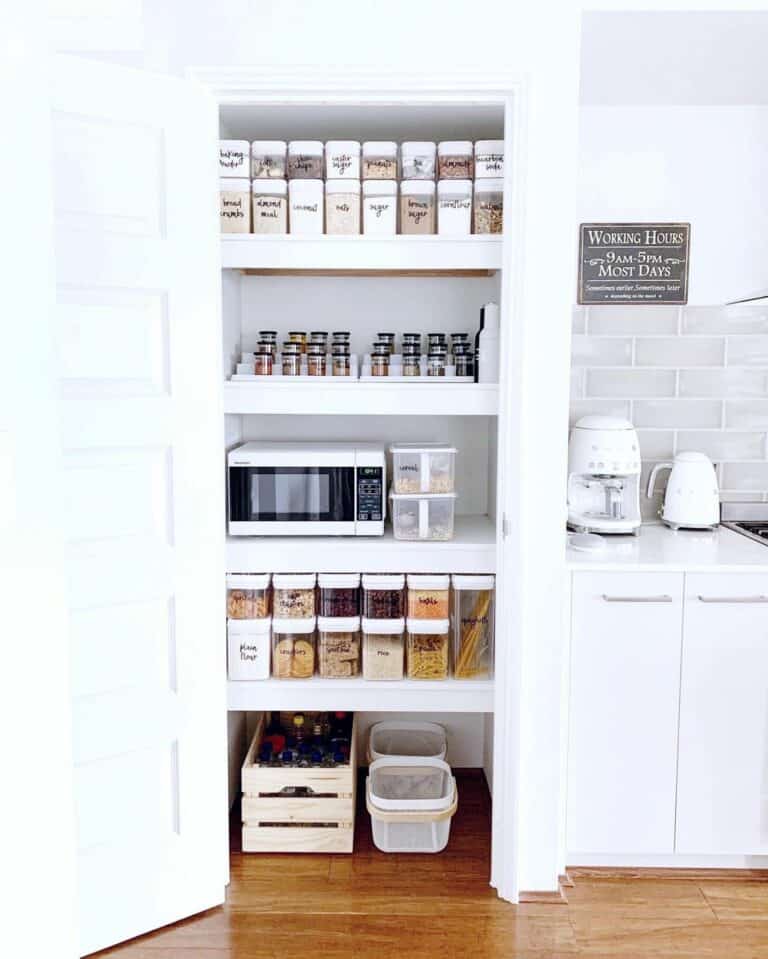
[138, 339]
[625, 683]
[722, 791]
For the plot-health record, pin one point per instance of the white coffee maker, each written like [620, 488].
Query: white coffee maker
[604, 476]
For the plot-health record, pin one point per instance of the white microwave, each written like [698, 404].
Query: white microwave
[306, 489]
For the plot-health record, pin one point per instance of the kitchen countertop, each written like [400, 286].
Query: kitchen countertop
[659, 548]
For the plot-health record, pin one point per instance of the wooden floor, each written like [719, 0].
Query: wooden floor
[376, 906]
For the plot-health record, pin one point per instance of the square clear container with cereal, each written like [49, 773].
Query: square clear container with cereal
[383, 595]
[338, 647]
[428, 596]
[423, 467]
[472, 626]
[427, 648]
[294, 595]
[383, 649]
[248, 595]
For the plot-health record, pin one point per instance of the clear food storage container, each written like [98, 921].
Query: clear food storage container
[380, 207]
[342, 207]
[379, 160]
[234, 205]
[305, 160]
[248, 642]
[417, 207]
[489, 159]
[234, 158]
[339, 594]
[305, 199]
[423, 515]
[293, 648]
[418, 160]
[427, 648]
[423, 467]
[489, 206]
[455, 160]
[268, 159]
[406, 738]
[383, 649]
[428, 596]
[293, 595]
[270, 206]
[383, 596]
[342, 160]
[472, 621]
[454, 207]
[248, 595]
[338, 647]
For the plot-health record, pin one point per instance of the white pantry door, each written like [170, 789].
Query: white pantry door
[138, 341]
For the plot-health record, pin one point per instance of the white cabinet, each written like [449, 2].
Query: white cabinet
[723, 766]
[624, 690]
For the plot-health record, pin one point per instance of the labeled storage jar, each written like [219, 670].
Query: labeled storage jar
[262, 360]
[455, 160]
[379, 160]
[339, 594]
[305, 160]
[248, 648]
[290, 359]
[489, 159]
[268, 159]
[342, 207]
[342, 160]
[293, 648]
[428, 596]
[305, 199]
[338, 647]
[340, 362]
[489, 206]
[270, 206]
[423, 467]
[234, 158]
[316, 359]
[472, 622]
[417, 207]
[383, 596]
[454, 207]
[427, 648]
[418, 160]
[235, 205]
[411, 354]
[383, 649]
[423, 515]
[379, 207]
[294, 595]
[248, 595]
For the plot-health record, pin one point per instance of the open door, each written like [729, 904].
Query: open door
[137, 330]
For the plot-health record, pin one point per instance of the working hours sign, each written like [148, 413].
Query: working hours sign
[633, 263]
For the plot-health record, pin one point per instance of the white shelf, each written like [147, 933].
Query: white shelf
[449, 696]
[472, 550]
[324, 396]
[399, 254]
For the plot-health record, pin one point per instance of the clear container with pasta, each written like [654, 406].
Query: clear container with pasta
[427, 648]
[472, 626]
[293, 648]
[428, 596]
[248, 595]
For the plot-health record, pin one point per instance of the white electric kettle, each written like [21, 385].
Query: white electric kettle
[692, 498]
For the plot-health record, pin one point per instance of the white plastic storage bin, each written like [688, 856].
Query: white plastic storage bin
[427, 516]
[454, 207]
[423, 467]
[305, 200]
[249, 643]
[380, 207]
[406, 738]
[342, 160]
[411, 803]
[234, 158]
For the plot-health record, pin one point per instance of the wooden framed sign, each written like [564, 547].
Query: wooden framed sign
[633, 263]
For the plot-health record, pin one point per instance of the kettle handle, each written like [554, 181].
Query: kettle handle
[652, 477]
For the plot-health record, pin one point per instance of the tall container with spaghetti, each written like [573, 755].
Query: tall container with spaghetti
[472, 626]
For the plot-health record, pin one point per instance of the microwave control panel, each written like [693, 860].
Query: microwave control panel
[370, 494]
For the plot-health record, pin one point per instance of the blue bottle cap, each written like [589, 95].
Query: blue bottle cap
[317, 756]
[287, 756]
[338, 757]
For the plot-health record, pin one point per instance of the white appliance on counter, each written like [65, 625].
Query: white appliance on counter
[604, 476]
[692, 497]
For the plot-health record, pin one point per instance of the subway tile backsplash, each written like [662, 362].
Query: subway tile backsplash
[688, 378]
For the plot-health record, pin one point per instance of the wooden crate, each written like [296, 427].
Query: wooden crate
[298, 810]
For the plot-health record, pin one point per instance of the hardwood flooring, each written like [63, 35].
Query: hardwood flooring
[375, 906]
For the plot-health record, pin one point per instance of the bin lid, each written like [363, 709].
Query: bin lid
[415, 785]
[403, 738]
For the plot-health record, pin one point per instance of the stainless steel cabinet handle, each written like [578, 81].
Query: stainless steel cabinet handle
[637, 599]
[733, 599]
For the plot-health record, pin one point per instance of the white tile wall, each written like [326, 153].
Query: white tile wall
[689, 378]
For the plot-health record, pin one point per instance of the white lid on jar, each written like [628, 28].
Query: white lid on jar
[342, 186]
[294, 580]
[272, 187]
[235, 184]
[418, 581]
[383, 581]
[338, 580]
[454, 148]
[338, 624]
[389, 627]
[427, 496]
[263, 147]
[418, 148]
[380, 148]
[343, 146]
[421, 448]
[452, 187]
[379, 187]
[491, 185]
[312, 148]
[461, 581]
[293, 625]
[241, 146]
[489, 146]
[248, 627]
[431, 626]
[417, 187]
[308, 188]
[248, 580]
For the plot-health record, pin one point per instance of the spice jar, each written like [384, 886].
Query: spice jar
[455, 160]
[389, 339]
[338, 652]
[472, 626]
[316, 359]
[319, 336]
[339, 594]
[305, 198]
[418, 160]
[300, 337]
[262, 360]
[248, 595]
[417, 207]
[458, 339]
[293, 648]
[427, 649]
[380, 207]
[268, 159]
[411, 353]
[340, 362]
[342, 207]
[305, 160]
[234, 158]
[489, 159]
[270, 206]
[454, 207]
[341, 337]
[463, 360]
[342, 160]
[436, 340]
[489, 206]
[428, 597]
[383, 596]
[270, 337]
[291, 359]
[294, 595]
[380, 360]
[412, 338]
[436, 361]
[383, 649]
[235, 205]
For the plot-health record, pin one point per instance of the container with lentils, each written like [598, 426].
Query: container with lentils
[339, 594]
[294, 595]
[428, 597]
[383, 596]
